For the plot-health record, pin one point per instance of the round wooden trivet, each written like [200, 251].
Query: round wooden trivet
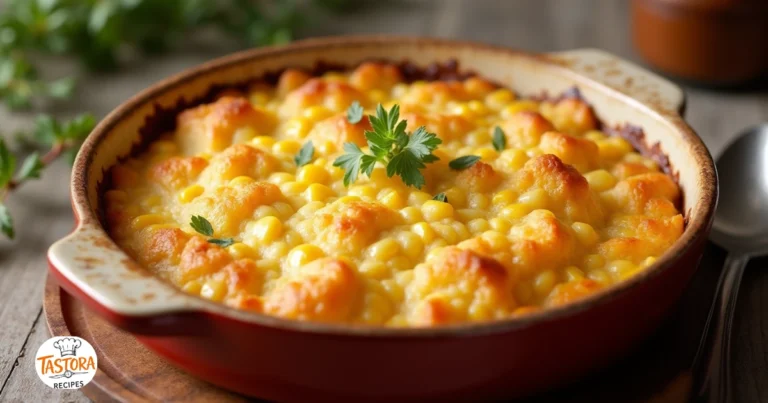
[128, 372]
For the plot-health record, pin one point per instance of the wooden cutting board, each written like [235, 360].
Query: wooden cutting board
[657, 371]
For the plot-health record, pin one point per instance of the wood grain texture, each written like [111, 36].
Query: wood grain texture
[42, 208]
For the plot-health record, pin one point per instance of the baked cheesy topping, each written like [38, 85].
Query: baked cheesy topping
[552, 211]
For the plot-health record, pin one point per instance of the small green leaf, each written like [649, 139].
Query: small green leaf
[350, 162]
[31, 167]
[62, 88]
[7, 164]
[355, 113]
[499, 139]
[441, 197]
[201, 225]
[6, 222]
[464, 162]
[305, 154]
[224, 242]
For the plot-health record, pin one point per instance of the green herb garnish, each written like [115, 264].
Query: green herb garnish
[305, 154]
[464, 162]
[204, 227]
[441, 197]
[499, 139]
[355, 113]
[403, 154]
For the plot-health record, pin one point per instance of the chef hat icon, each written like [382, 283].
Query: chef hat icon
[67, 346]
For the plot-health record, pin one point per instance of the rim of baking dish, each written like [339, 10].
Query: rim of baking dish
[702, 210]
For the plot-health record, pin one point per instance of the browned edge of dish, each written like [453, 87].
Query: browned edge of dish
[694, 230]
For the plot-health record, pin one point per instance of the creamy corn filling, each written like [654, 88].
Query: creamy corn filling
[562, 211]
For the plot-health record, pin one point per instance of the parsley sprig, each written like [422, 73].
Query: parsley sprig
[402, 153]
[204, 227]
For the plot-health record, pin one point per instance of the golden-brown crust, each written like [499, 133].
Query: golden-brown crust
[583, 154]
[356, 225]
[569, 192]
[571, 291]
[634, 194]
[379, 76]
[211, 127]
[228, 208]
[162, 246]
[541, 242]
[242, 276]
[290, 80]
[624, 170]
[324, 290]
[446, 127]
[524, 129]
[338, 130]
[200, 258]
[570, 115]
[336, 96]
[239, 160]
[480, 177]
[176, 172]
[479, 282]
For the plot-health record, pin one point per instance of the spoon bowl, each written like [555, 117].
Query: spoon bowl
[741, 220]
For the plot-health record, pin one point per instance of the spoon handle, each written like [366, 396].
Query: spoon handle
[712, 363]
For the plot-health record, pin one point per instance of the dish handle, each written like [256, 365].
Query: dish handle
[625, 77]
[88, 265]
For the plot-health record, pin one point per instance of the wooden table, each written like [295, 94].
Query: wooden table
[42, 211]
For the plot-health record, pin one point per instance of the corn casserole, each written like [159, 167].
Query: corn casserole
[552, 208]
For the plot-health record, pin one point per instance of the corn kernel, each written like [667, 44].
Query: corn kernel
[515, 158]
[293, 188]
[499, 98]
[500, 224]
[213, 290]
[373, 269]
[146, 220]
[241, 181]
[259, 98]
[495, 240]
[478, 226]
[619, 267]
[424, 231]
[411, 244]
[434, 210]
[286, 147]
[478, 201]
[648, 261]
[363, 191]
[536, 199]
[594, 135]
[240, 250]
[518, 106]
[469, 214]
[283, 209]
[303, 254]
[573, 273]
[544, 283]
[312, 173]
[190, 193]
[600, 180]
[487, 154]
[504, 197]
[515, 211]
[263, 142]
[392, 199]
[267, 229]
[192, 287]
[278, 178]
[411, 214]
[384, 249]
[599, 276]
[153, 201]
[594, 262]
[585, 233]
[418, 198]
[318, 192]
[316, 113]
[446, 232]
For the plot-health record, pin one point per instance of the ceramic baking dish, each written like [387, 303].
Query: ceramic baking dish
[272, 358]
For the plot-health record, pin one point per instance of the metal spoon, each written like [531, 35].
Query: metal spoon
[740, 227]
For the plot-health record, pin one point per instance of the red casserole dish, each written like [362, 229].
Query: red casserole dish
[277, 359]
